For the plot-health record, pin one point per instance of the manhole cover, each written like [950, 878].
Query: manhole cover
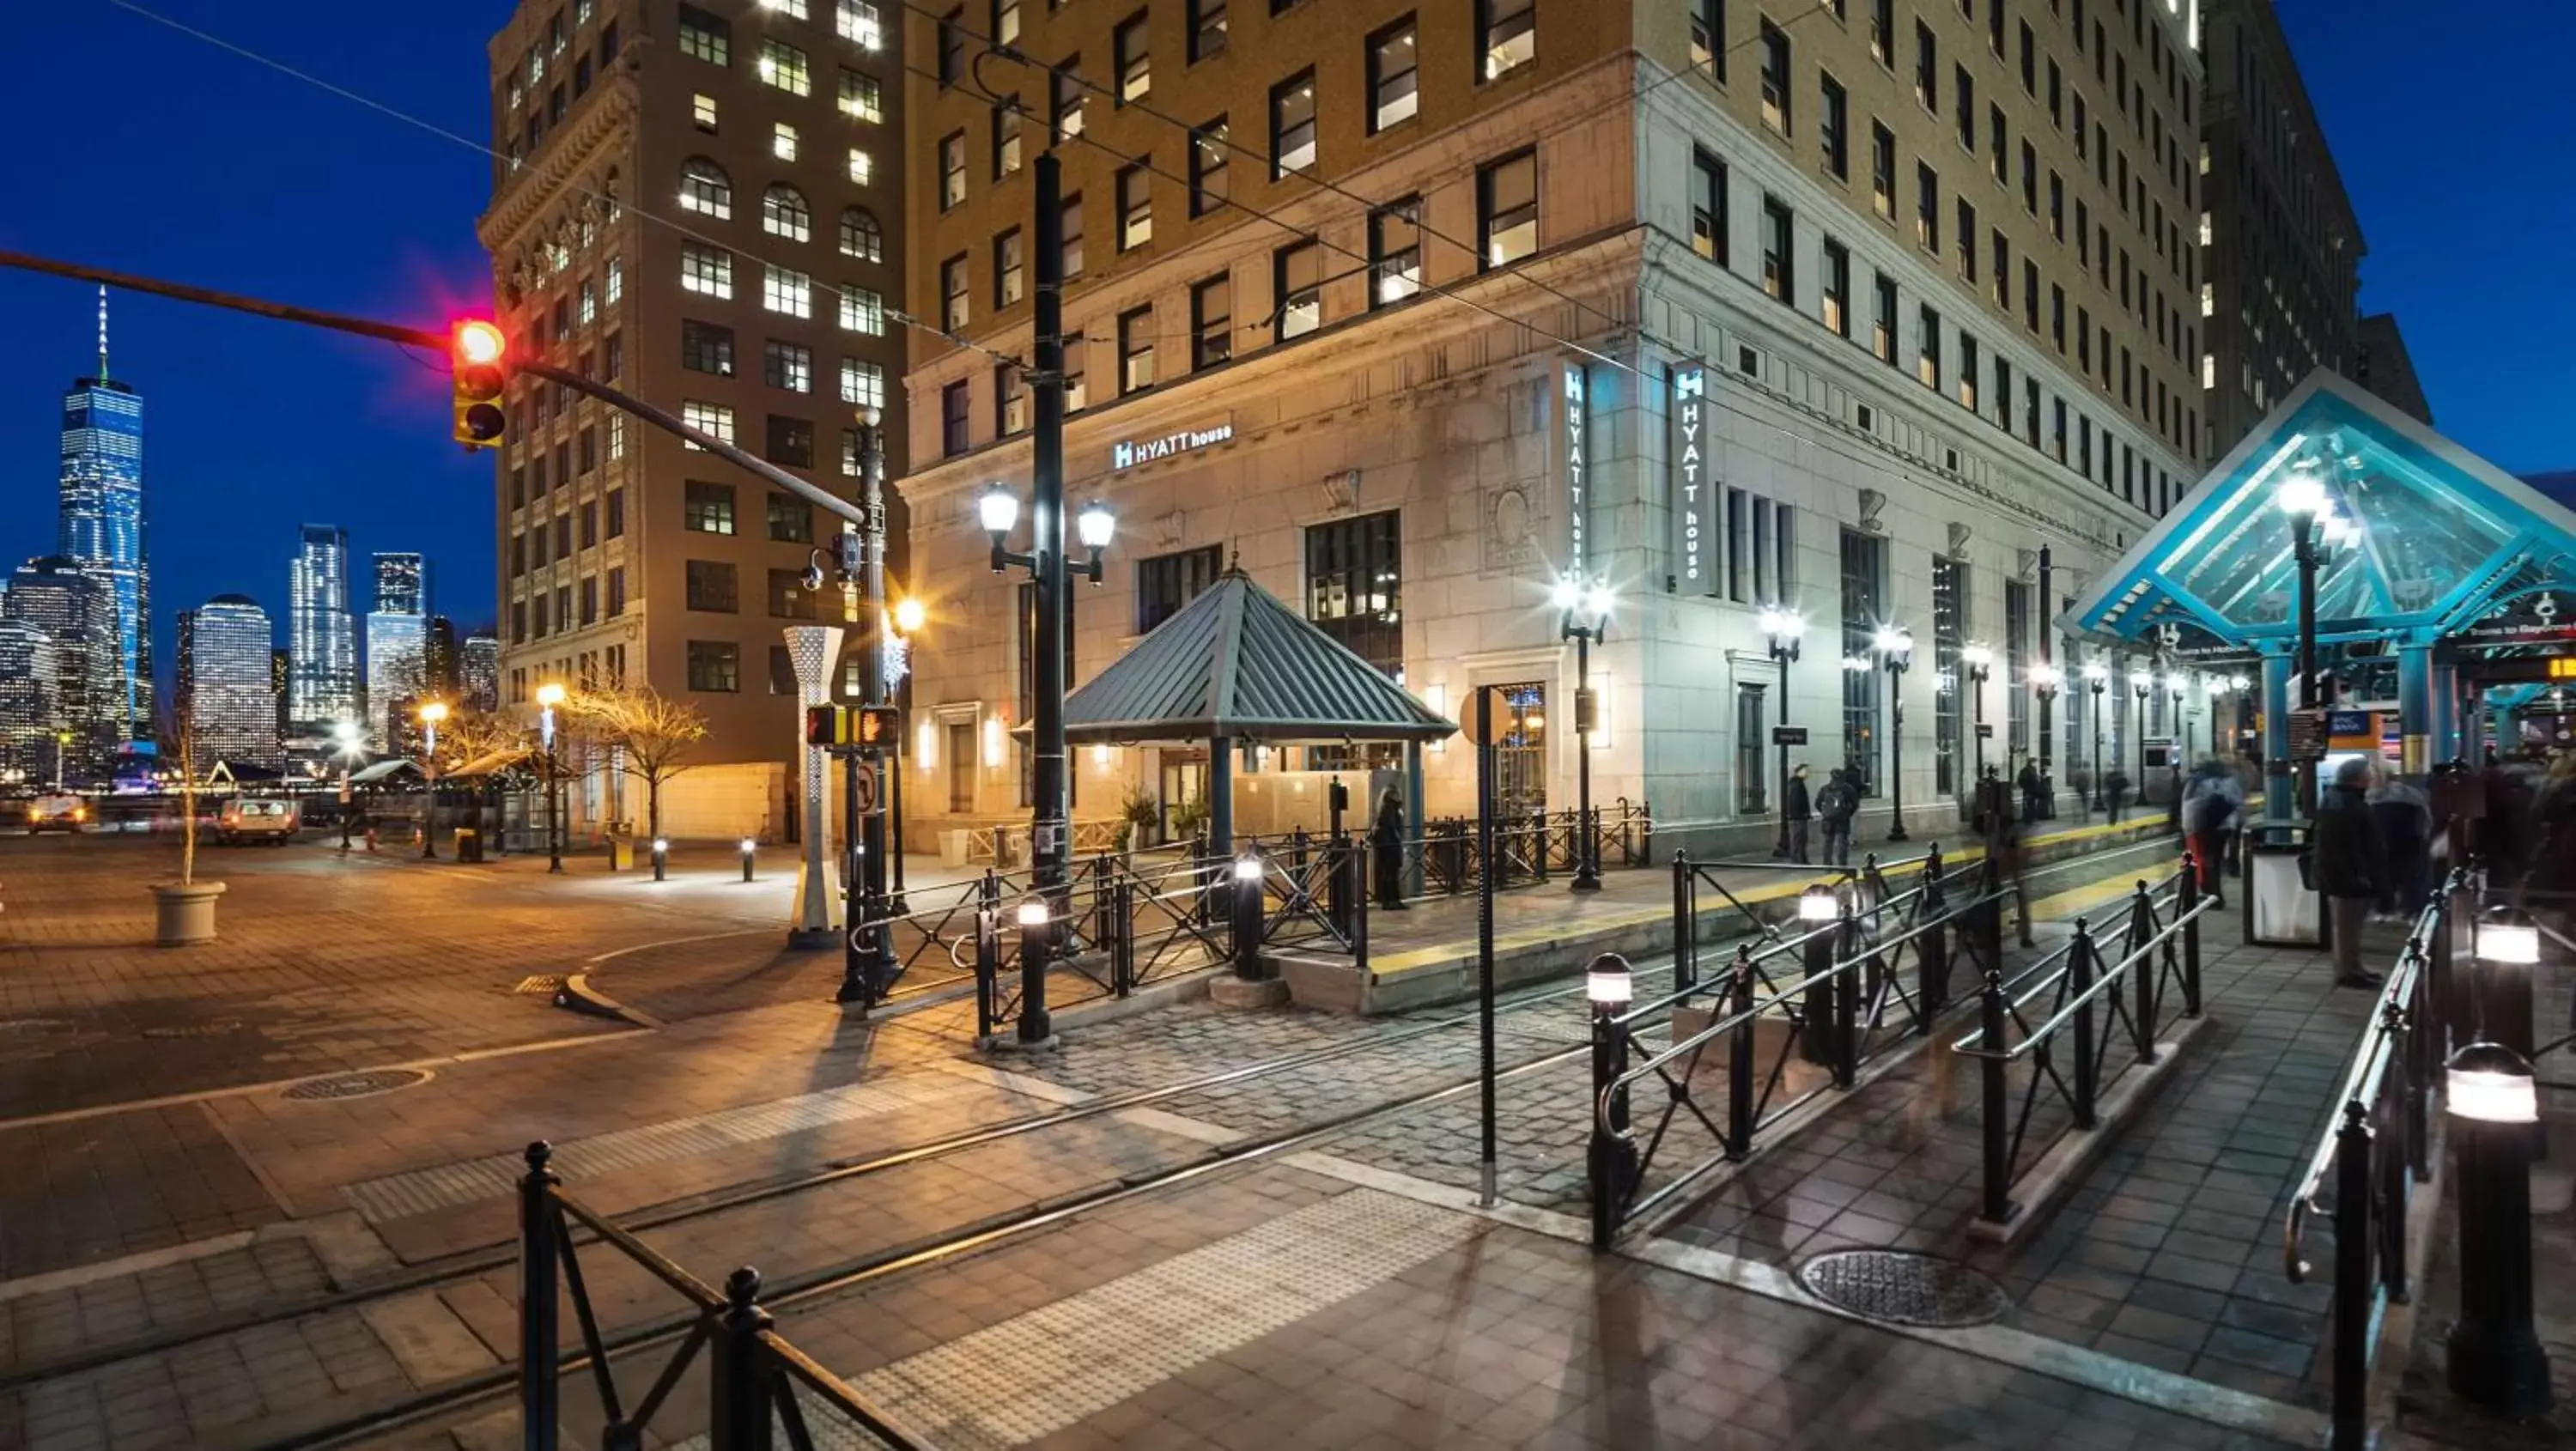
[357, 1085]
[540, 987]
[212, 1027]
[1902, 1287]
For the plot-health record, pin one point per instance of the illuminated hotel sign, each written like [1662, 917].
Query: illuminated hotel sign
[1578, 562]
[1692, 572]
[1129, 452]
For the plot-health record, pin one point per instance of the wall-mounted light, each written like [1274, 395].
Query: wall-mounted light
[925, 743]
[993, 741]
[1436, 696]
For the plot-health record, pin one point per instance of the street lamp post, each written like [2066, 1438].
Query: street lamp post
[550, 695]
[2303, 497]
[430, 715]
[1895, 647]
[867, 955]
[1781, 629]
[2047, 680]
[999, 510]
[347, 735]
[2097, 679]
[1583, 617]
[908, 620]
[2143, 687]
[1980, 662]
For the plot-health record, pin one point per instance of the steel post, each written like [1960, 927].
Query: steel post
[2081, 966]
[1742, 1048]
[1995, 1108]
[540, 1328]
[1049, 835]
[2348, 1425]
[1685, 927]
[738, 1397]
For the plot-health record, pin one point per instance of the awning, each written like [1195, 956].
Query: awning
[1238, 663]
[489, 764]
[382, 770]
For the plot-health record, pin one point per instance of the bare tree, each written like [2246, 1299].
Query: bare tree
[653, 732]
[467, 736]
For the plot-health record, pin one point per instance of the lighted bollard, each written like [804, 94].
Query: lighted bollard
[749, 847]
[1608, 985]
[2495, 1356]
[1247, 917]
[661, 858]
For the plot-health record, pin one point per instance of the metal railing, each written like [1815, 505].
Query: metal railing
[2380, 1147]
[2069, 994]
[761, 1390]
[1849, 1004]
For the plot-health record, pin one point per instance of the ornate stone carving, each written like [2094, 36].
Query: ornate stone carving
[2025, 564]
[1872, 503]
[1342, 491]
[1959, 535]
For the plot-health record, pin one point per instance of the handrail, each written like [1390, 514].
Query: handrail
[655, 1263]
[2109, 978]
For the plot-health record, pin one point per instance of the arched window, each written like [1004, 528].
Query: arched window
[783, 213]
[704, 188]
[861, 237]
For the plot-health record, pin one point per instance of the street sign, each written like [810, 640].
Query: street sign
[1985, 730]
[2308, 734]
[1788, 735]
[863, 778]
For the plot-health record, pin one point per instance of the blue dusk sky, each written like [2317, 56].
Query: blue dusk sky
[162, 154]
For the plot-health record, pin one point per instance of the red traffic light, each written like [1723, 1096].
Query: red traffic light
[478, 342]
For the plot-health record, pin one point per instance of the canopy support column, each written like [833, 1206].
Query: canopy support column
[2414, 708]
[1413, 824]
[2446, 714]
[1220, 789]
[2276, 738]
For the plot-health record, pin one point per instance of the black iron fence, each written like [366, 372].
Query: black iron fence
[1780, 1045]
[760, 1389]
[2047, 1022]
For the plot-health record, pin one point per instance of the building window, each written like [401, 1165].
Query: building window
[1967, 238]
[1354, 586]
[1507, 209]
[1077, 394]
[1708, 207]
[790, 441]
[1135, 206]
[2016, 669]
[1927, 360]
[787, 365]
[1752, 715]
[788, 597]
[703, 37]
[1949, 638]
[708, 508]
[787, 291]
[1135, 65]
[1833, 127]
[1166, 582]
[954, 418]
[706, 348]
[1207, 167]
[783, 213]
[1882, 32]
[1837, 287]
[1778, 277]
[1864, 584]
[1882, 339]
[1010, 400]
[1292, 125]
[1211, 321]
[1297, 280]
[791, 519]
[1775, 78]
[1968, 372]
[1882, 170]
[1006, 137]
[861, 237]
[705, 270]
[614, 502]
[952, 293]
[1072, 233]
[1065, 99]
[863, 167]
[1135, 350]
[616, 591]
[1395, 252]
[1006, 269]
[1963, 107]
[1708, 38]
[783, 66]
[705, 189]
[861, 97]
[1506, 36]
[1927, 69]
[862, 311]
[1927, 209]
[711, 587]
[952, 169]
[1391, 74]
[1207, 29]
[782, 141]
[715, 666]
[702, 113]
[708, 418]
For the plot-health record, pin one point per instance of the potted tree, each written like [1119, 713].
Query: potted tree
[1138, 819]
[186, 907]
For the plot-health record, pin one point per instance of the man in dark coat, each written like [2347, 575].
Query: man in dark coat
[2115, 786]
[1836, 804]
[2034, 793]
[1386, 851]
[2350, 867]
[1797, 810]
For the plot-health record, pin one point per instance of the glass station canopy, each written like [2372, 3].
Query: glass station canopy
[2416, 537]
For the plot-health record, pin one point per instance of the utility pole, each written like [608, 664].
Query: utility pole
[1049, 832]
[867, 966]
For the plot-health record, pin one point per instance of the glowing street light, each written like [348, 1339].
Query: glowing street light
[550, 695]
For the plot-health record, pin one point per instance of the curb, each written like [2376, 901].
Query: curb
[577, 995]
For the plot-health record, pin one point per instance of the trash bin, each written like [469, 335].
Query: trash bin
[621, 853]
[2281, 907]
[468, 845]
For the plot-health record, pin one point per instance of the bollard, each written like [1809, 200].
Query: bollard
[749, 847]
[661, 858]
[1742, 1047]
[2187, 902]
[1359, 899]
[738, 1398]
[1121, 925]
[1608, 985]
[988, 954]
[2508, 947]
[1995, 1120]
[2496, 1360]
[1685, 927]
[1538, 845]
[2080, 967]
[540, 1332]
[2349, 1419]
[1247, 896]
[1036, 921]
[1818, 907]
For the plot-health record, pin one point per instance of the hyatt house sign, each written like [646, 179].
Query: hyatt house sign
[1126, 453]
[1578, 557]
[1694, 565]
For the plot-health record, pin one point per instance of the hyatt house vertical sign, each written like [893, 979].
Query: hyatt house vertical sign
[1578, 446]
[1694, 571]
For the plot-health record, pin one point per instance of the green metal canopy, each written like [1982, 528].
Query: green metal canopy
[1237, 662]
[2429, 539]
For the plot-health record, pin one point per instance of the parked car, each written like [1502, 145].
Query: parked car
[246, 820]
[66, 814]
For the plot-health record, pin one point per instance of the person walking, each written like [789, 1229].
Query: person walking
[2034, 792]
[2405, 820]
[1797, 810]
[2210, 805]
[2350, 867]
[2115, 786]
[2005, 848]
[1386, 851]
[1836, 804]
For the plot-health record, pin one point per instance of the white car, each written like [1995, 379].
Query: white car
[66, 814]
[253, 820]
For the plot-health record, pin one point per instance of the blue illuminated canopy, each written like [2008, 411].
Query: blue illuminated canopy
[2419, 538]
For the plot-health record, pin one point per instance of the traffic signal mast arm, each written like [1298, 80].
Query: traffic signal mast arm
[439, 342]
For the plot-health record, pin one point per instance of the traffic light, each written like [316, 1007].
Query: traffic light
[827, 725]
[475, 362]
[879, 726]
[871, 727]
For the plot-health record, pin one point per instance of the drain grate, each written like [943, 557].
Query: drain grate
[357, 1085]
[545, 986]
[1902, 1287]
[211, 1028]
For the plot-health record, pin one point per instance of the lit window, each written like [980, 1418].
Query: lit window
[2208, 300]
[952, 169]
[1297, 279]
[861, 237]
[787, 365]
[2208, 370]
[1006, 21]
[1136, 350]
[1393, 71]
[1207, 168]
[862, 311]
[1072, 233]
[706, 270]
[1006, 137]
[783, 213]
[1506, 35]
[952, 293]
[705, 189]
[1507, 209]
[1135, 208]
[702, 36]
[1007, 270]
[1135, 65]
[792, 9]
[702, 110]
[783, 66]
[785, 290]
[1292, 125]
[1066, 99]
[861, 97]
[782, 141]
[709, 418]
[1395, 252]
[1708, 207]
[589, 305]
[862, 383]
[863, 168]
[857, 21]
[616, 283]
[1207, 26]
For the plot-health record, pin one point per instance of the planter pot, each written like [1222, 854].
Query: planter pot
[187, 913]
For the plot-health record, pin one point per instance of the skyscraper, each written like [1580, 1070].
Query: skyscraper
[479, 670]
[322, 645]
[77, 612]
[396, 639]
[27, 707]
[101, 528]
[224, 673]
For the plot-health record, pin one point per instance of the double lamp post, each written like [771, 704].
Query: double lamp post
[1583, 616]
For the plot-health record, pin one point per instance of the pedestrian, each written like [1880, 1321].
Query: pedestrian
[2349, 867]
[1797, 810]
[1386, 851]
[2034, 792]
[2116, 787]
[2405, 820]
[2006, 849]
[1836, 805]
[2211, 802]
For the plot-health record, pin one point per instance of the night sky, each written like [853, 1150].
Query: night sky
[154, 152]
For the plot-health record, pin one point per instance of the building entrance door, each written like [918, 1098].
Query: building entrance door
[961, 768]
[1184, 779]
[1520, 761]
